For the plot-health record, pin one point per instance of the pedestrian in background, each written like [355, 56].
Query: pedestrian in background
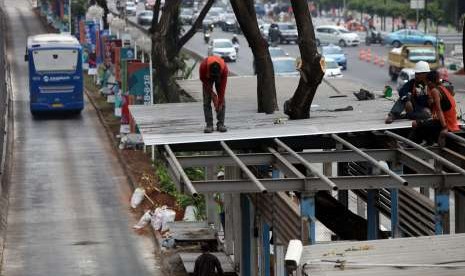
[214, 73]
[207, 263]
[441, 52]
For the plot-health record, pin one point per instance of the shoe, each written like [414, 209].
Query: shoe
[389, 119]
[208, 129]
[221, 128]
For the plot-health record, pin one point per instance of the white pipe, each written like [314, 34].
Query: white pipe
[135, 48]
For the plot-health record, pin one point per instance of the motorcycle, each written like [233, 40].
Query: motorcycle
[206, 37]
[236, 47]
[373, 36]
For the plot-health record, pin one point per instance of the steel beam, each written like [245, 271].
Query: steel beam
[433, 155]
[304, 162]
[317, 184]
[370, 159]
[243, 167]
[415, 163]
[455, 137]
[181, 171]
[252, 159]
[285, 165]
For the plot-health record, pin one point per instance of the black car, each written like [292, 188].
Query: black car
[229, 23]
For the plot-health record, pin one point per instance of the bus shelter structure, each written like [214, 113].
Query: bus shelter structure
[266, 157]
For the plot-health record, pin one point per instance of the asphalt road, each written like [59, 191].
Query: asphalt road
[368, 75]
[68, 211]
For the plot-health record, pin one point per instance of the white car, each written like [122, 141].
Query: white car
[223, 48]
[405, 75]
[336, 35]
[332, 70]
[131, 8]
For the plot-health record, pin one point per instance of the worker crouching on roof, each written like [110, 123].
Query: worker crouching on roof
[214, 73]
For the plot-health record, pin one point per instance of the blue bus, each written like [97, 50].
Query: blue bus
[55, 73]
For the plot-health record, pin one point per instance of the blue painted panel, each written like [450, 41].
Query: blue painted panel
[307, 209]
[246, 236]
[372, 215]
[266, 249]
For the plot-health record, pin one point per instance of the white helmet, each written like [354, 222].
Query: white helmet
[422, 67]
[220, 174]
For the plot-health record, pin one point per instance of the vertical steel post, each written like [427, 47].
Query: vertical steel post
[266, 249]
[441, 205]
[307, 210]
[212, 214]
[246, 267]
[397, 168]
[459, 211]
[372, 214]
[394, 213]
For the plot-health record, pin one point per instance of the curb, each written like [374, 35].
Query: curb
[8, 132]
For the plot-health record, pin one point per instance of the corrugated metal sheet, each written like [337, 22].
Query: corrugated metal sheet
[184, 122]
[399, 257]
[279, 212]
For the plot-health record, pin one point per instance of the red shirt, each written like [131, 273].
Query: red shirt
[204, 72]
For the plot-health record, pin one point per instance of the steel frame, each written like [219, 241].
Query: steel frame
[295, 180]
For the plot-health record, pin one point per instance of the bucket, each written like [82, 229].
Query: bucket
[387, 91]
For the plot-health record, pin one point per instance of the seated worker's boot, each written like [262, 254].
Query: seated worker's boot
[389, 119]
[221, 128]
[208, 129]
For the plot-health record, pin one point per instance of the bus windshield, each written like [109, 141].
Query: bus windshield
[55, 60]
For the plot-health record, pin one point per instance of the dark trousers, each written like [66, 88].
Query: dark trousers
[426, 130]
[207, 109]
[418, 113]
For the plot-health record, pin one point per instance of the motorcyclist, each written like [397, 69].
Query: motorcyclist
[206, 37]
[235, 42]
[274, 34]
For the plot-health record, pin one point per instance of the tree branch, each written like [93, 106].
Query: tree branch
[197, 24]
[104, 6]
[156, 15]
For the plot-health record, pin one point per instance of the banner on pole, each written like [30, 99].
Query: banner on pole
[139, 81]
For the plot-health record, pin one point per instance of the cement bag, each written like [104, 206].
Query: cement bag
[157, 220]
[168, 215]
[189, 213]
[137, 197]
[143, 220]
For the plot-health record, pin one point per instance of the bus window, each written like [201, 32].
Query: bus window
[56, 60]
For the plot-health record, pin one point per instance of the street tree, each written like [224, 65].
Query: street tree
[104, 6]
[311, 71]
[266, 90]
[167, 42]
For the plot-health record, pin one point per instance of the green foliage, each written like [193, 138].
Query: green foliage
[182, 200]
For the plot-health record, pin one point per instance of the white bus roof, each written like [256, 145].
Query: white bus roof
[52, 40]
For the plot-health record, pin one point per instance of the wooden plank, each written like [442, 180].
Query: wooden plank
[191, 232]
[188, 260]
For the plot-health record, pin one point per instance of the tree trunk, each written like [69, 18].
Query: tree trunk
[166, 45]
[104, 6]
[298, 107]
[266, 90]
[463, 42]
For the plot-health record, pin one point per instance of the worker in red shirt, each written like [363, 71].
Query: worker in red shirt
[214, 73]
